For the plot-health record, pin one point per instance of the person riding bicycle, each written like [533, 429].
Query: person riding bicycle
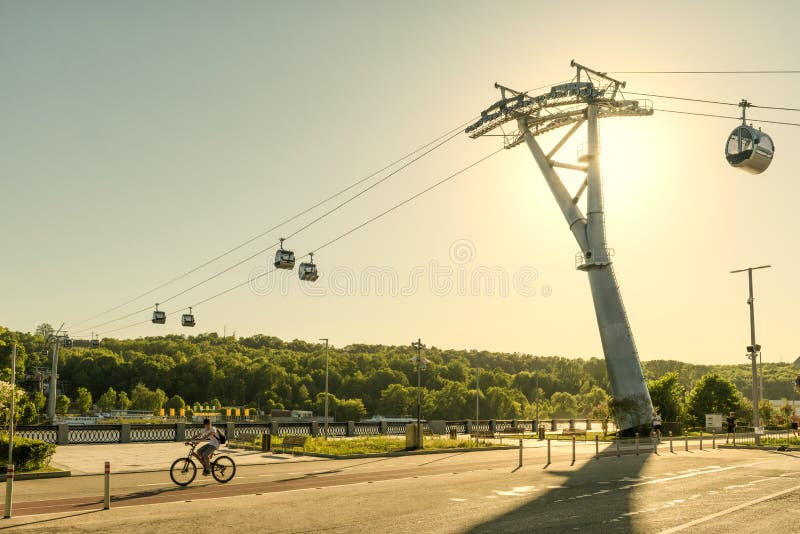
[204, 453]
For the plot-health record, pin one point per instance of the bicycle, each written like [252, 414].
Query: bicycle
[183, 470]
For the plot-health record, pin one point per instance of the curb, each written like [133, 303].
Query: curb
[37, 476]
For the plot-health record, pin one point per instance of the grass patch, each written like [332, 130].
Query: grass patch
[374, 444]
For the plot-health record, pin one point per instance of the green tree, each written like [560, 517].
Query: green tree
[667, 396]
[713, 394]
[40, 401]
[147, 400]
[176, 402]
[397, 400]
[123, 402]
[108, 400]
[62, 404]
[83, 401]
[563, 405]
[350, 410]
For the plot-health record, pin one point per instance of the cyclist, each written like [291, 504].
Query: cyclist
[204, 453]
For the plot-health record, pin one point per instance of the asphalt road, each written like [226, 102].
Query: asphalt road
[476, 492]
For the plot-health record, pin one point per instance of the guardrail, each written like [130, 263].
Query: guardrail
[64, 434]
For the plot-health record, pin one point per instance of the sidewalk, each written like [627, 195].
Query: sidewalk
[136, 457]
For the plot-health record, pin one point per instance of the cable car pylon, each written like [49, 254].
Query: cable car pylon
[590, 96]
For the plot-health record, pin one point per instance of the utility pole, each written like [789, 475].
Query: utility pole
[477, 401]
[537, 401]
[754, 349]
[10, 464]
[325, 339]
[419, 346]
[51, 397]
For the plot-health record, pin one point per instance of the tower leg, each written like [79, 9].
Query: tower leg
[633, 406]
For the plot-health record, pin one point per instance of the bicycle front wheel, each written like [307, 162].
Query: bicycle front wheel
[223, 469]
[183, 471]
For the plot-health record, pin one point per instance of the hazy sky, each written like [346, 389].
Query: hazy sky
[141, 139]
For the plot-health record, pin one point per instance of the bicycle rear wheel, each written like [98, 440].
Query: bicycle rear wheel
[223, 469]
[183, 471]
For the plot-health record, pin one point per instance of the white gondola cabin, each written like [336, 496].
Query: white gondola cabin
[284, 259]
[67, 343]
[749, 148]
[95, 343]
[159, 317]
[308, 271]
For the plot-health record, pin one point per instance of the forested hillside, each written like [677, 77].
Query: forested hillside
[266, 372]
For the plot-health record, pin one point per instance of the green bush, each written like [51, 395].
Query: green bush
[28, 454]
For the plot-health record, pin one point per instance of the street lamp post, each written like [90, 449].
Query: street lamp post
[325, 339]
[419, 346]
[753, 349]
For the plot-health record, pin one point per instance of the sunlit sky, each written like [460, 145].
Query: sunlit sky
[141, 139]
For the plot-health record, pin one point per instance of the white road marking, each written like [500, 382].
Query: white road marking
[727, 511]
[457, 500]
[153, 484]
[520, 491]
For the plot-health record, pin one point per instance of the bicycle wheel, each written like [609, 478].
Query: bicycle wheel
[183, 471]
[223, 469]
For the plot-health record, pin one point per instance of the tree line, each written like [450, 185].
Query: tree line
[265, 372]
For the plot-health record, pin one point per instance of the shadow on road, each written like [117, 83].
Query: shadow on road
[555, 510]
[48, 520]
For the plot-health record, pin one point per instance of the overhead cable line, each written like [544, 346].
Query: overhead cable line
[341, 236]
[724, 116]
[275, 227]
[718, 102]
[704, 72]
[296, 232]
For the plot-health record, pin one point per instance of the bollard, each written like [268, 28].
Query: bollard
[670, 442]
[655, 445]
[713, 440]
[701, 441]
[597, 447]
[573, 449]
[617, 440]
[9, 489]
[264, 442]
[548, 451]
[636, 443]
[686, 441]
[107, 494]
[520, 452]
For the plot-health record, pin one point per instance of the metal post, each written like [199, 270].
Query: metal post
[701, 440]
[753, 349]
[548, 451]
[10, 464]
[478, 403]
[51, 397]
[520, 452]
[597, 446]
[686, 441]
[713, 440]
[325, 339]
[670, 442]
[107, 493]
[617, 440]
[419, 392]
[537, 401]
[573, 448]
[636, 444]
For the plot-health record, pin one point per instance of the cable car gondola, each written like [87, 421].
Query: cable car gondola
[159, 317]
[308, 271]
[749, 148]
[187, 319]
[67, 343]
[95, 343]
[284, 259]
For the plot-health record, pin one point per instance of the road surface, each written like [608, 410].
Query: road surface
[472, 492]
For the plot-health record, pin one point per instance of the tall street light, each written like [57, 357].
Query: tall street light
[754, 349]
[419, 346]
[325, 339]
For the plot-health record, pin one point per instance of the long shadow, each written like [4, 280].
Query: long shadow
[580, 501]
[9, 527]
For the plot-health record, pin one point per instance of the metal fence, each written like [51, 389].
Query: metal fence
[126, 433]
